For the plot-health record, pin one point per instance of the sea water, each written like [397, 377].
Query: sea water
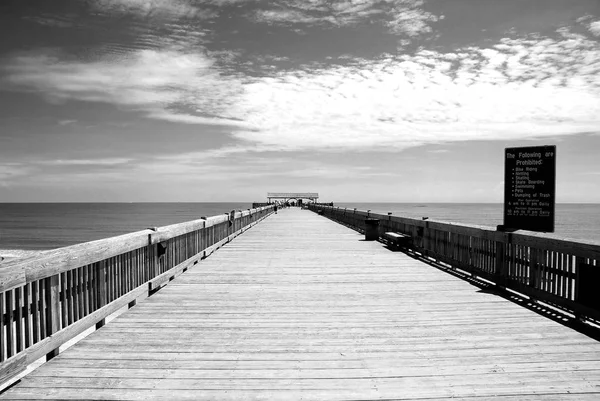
[42, 226]
[574, 221]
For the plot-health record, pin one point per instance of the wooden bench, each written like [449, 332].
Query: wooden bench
[397, 240]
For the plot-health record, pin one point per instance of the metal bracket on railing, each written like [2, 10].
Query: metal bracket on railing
[161, 249]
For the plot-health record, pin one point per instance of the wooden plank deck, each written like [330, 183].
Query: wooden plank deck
[300, 307]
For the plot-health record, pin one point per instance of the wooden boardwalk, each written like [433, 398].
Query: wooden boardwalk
[300, 307]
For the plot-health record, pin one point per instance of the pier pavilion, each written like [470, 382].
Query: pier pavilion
[287, 196]
[232, 308]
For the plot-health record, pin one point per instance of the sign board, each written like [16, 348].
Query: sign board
[529, 188]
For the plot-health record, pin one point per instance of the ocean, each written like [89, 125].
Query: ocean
[42, 226]
[576, 221]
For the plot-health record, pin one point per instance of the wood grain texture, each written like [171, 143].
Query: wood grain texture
[300, 307]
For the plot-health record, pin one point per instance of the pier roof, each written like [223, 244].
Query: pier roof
[293, 195]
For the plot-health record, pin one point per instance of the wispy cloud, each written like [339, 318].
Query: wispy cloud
[402, 17]
[54, 20]
[149, 8]
[86, 162]
[518, 88]
[11, 171]
[158, 82]
[594, 28]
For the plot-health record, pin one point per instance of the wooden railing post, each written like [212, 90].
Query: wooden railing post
[501, 266]
[101, 289]
[53, 310]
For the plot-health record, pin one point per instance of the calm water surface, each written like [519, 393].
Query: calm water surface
[577, 221]
[39, 226]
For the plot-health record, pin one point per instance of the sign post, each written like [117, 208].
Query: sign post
[529, 188]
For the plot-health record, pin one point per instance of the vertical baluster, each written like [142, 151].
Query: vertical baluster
[133, 258]
[69, 295]
[18, 320]
[110, 280]
[565, 273]
[2, 330]
[553, 272]
[140, 261]
[571, 285]
[91, 290]
[43, 308]
[35, 307]
[84, 290]
[10, 343]
[120, 271]
[520, 263]
[76, 296]
[142, 264]
[550, 267]
[117, 277]
[80, 293]
[52, 309]
[63, 300]
[126, 272]
[100, 288]
[532, 268]
[134, 267]
[27, 313]
[94, 286]
[547, 266]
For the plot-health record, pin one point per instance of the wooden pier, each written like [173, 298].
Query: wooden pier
[301, 308]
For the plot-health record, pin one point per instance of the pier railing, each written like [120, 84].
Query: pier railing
[50, 298]
[563, 273]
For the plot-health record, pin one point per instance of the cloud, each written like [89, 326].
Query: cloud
[165, 84]
[594, 28]
[86, 162]
[55, 21]
[401, 17]
[10, 171]
[148, 8]
[170, 9]
[516, 89]
[66, 122]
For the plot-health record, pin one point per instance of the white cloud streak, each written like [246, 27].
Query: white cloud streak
[594, 28]
[86, 162]
[150, 81]
[515, 90]
[402, 17]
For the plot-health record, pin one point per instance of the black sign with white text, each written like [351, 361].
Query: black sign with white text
[529, 188]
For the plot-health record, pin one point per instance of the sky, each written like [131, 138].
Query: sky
[358, 100]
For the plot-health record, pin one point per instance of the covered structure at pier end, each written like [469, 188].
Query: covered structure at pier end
[287, 196]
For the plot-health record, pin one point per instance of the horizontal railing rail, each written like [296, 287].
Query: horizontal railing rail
[49, 298]
[564, 273]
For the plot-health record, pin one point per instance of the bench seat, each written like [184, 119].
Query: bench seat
[397, 239]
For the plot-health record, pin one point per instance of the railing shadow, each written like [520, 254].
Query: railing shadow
[487, 287]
